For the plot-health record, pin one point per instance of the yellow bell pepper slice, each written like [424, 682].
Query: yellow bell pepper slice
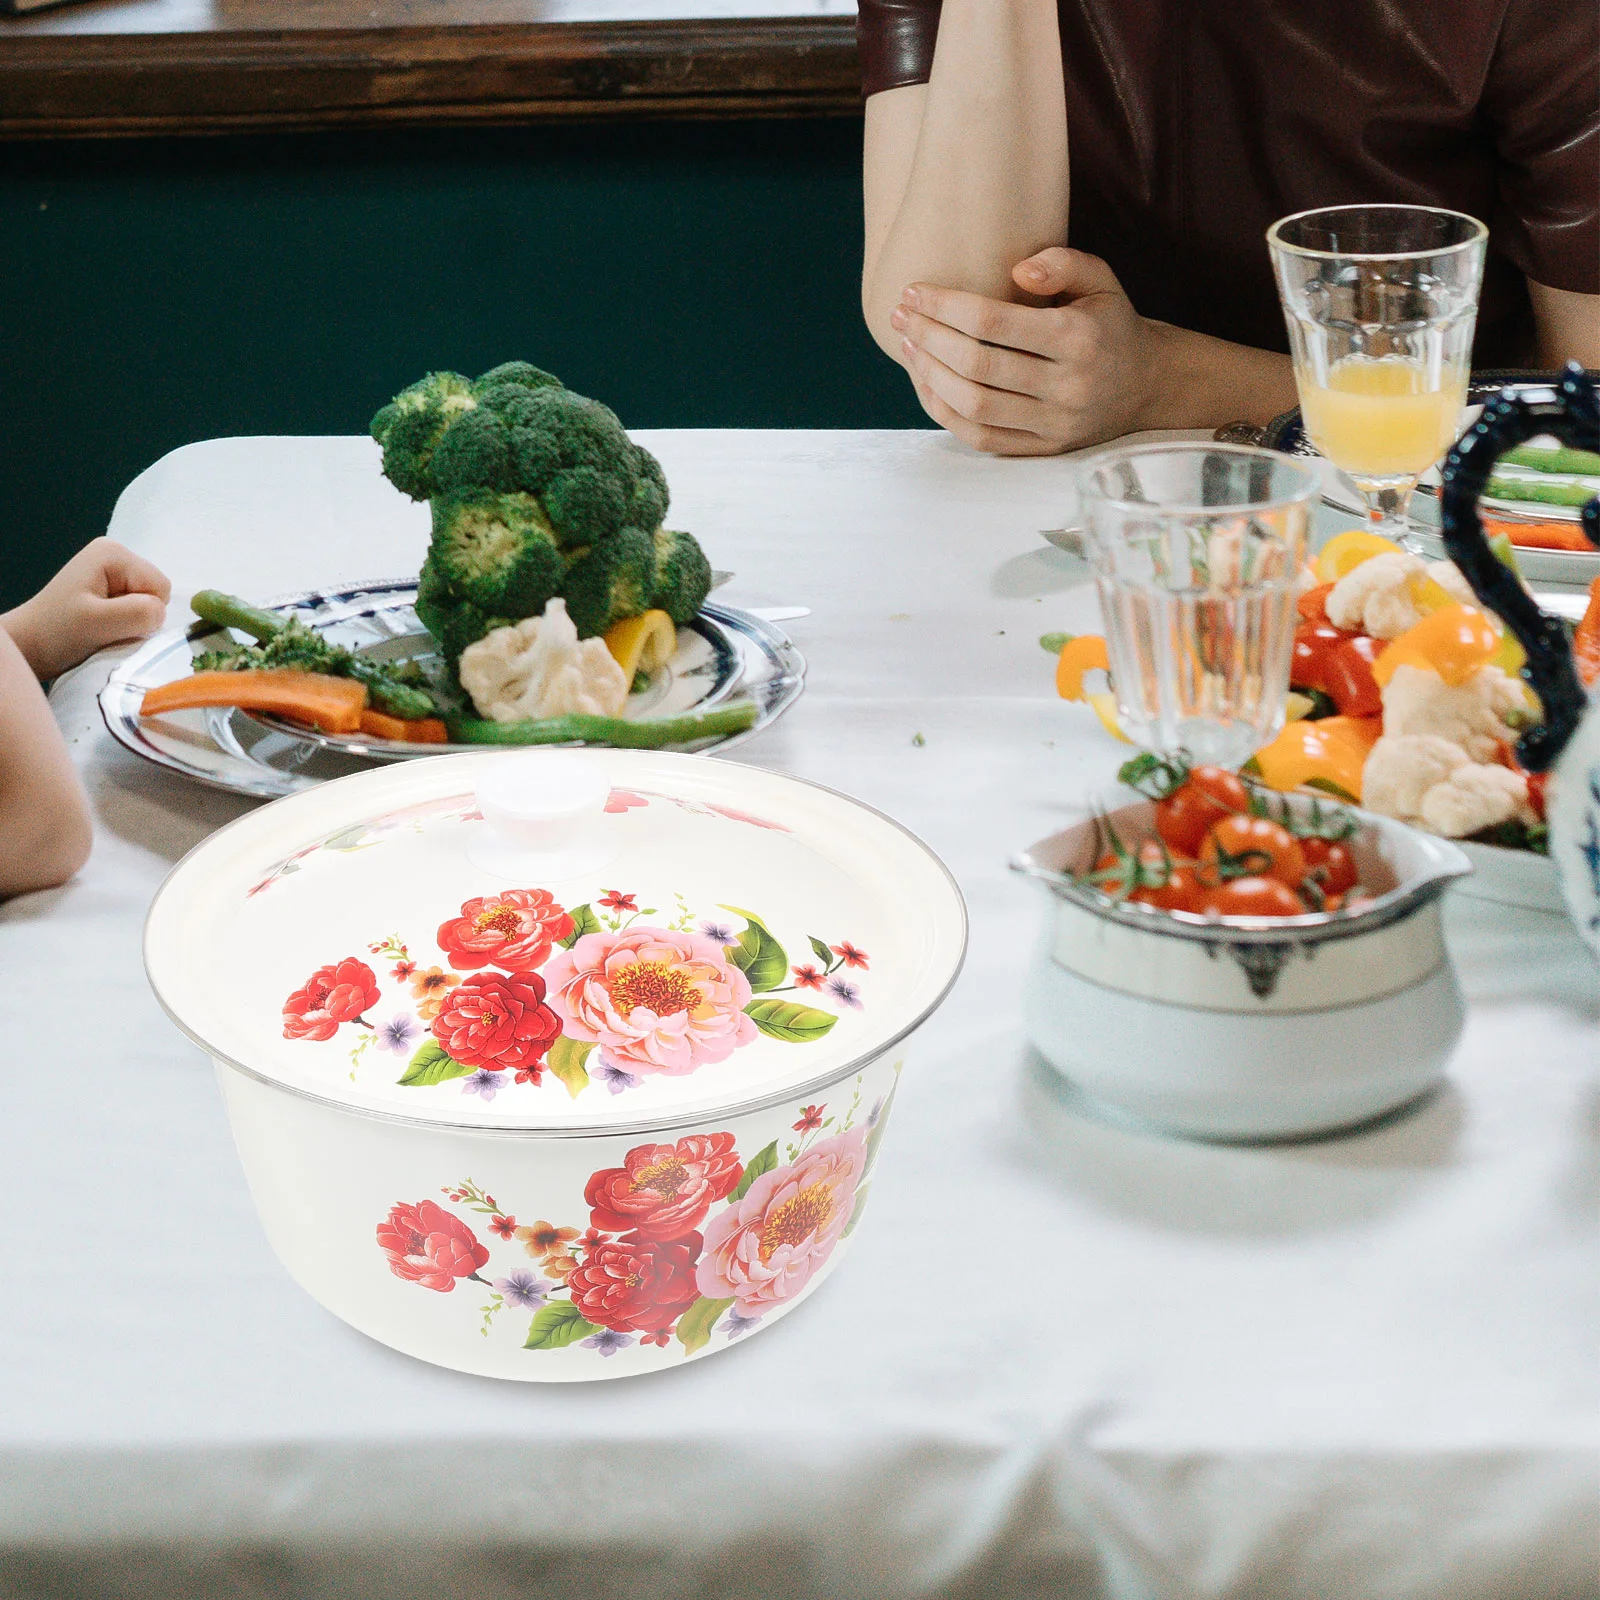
[642, 644]
[1085, 654]
[1332, 749]
[1454, 641]
[1346, 551]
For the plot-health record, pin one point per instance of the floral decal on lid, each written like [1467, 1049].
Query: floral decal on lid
[685, 1240]
[601, 996]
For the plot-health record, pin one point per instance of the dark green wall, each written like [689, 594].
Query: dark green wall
[692, 275]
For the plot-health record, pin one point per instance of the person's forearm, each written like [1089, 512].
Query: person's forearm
[982, 184]
[1206, 382]
[1568, 325]
[45, 831]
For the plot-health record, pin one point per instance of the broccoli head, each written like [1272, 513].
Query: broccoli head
[495, 551]
[410, 427]
[522, 374]
[648, 508]
[681, 575]
[610, 582]
[474, 453]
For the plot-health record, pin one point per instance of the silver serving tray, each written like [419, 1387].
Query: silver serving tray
[723, 652]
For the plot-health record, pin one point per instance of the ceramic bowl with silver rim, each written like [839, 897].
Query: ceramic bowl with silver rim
[1247, 1028]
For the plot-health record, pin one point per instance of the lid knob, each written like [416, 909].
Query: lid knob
[544, 816]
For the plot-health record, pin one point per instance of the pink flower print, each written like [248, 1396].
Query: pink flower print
[762, 1251]
[624, 800]
[653, 999]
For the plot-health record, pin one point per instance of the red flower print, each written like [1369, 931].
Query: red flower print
[810, 1119]
[807, 978]
[592, 1237]
[635, 1286]
[331, 995]
[515, 930]
[848, 954]
[426, 1245]
[663, 1191]
[621, 800]
[504, 1226]
[497, 1020]
[661, 1336]
[616, 900]
[402, 970]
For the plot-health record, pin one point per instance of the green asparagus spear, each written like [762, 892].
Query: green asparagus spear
[1552, 458]
[287, 642]
[579, 727]
[1550, 494]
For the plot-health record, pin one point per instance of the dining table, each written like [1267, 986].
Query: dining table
[1065, 1357]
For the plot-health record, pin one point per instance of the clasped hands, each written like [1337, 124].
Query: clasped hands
[1030, 380]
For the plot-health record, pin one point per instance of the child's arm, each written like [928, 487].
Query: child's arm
[45, 832]
[103, 595]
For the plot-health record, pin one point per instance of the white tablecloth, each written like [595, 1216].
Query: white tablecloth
[1062, 1360]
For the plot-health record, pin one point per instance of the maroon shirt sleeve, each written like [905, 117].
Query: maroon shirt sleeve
[1542, 100]
[896, 39]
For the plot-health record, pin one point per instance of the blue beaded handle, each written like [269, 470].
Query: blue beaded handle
[1571, 411]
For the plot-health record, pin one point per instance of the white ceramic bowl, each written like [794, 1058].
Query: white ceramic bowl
[574, 1094]
[1248, 1028]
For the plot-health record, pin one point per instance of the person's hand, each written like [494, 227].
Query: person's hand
[1019, 380]
[103, 595]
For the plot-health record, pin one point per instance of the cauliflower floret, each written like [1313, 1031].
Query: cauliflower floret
[1379, 597]
[540, 668]
[1376, 597]
[1471, 715]
[1474, 796]
[1401, 769]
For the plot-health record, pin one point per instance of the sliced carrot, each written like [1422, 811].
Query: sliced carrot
[419, 730]
[1539, 535]
[314, 698]
[1586, 641]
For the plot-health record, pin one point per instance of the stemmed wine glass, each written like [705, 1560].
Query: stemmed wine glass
[1381, 301]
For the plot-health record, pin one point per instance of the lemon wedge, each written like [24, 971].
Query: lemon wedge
[642, 644]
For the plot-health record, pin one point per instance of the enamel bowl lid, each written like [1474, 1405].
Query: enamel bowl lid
[560, 941]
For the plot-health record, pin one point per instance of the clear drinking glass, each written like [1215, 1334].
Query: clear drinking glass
[1195, 550]
[1380, 303]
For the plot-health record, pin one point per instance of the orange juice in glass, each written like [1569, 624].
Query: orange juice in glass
[1380, 303]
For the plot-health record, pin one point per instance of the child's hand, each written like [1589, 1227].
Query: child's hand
[103, 595]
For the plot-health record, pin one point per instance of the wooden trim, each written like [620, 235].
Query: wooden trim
[78, 84]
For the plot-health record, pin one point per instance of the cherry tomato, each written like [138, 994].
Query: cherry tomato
[1182, 891]
[1251, 847]
[1208, 795]
[1253, 897]
[1328, 861]
[1151, 864]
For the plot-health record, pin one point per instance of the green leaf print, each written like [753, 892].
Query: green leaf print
[566, 1060]
[431, 1065]
[789, 1021]
[761, 1161]
[758, 955]
[557, 1325]
[695, 1325]
[583, 921]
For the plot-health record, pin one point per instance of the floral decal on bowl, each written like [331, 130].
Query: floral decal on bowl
[601, 994]
[684, 1240]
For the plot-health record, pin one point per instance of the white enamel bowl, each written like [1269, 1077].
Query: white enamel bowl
[1247, 1028]
[566, 1110]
